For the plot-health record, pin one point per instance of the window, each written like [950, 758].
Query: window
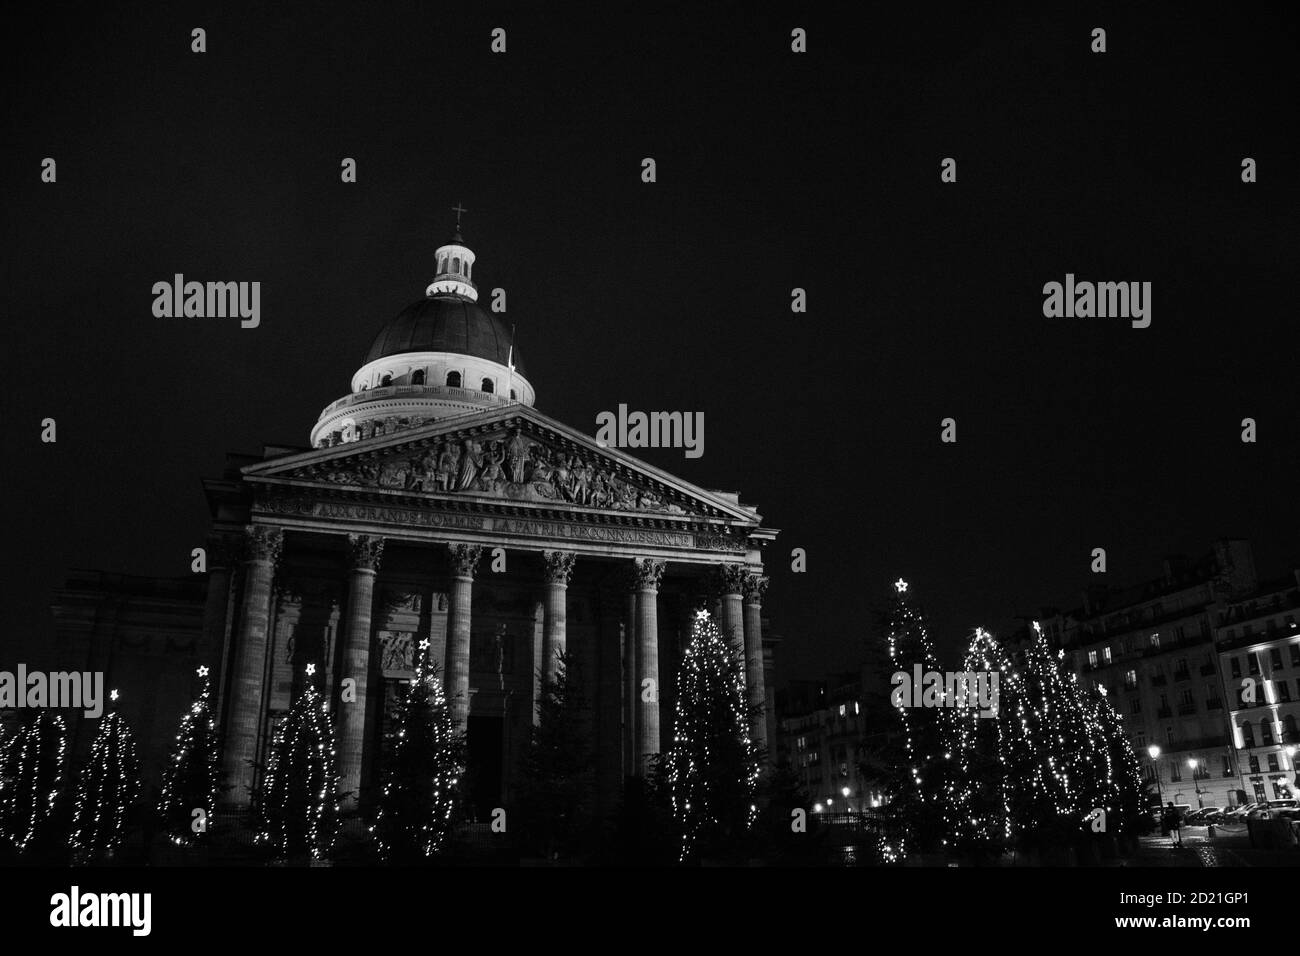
[1283, 691]
[1227, 766]
[1235, 663]
[1135, 705]
[1130, 679]
[841, 710]
[1186, 699]
[1248, 735]
[1155, 640]
[1105, 654]
[386, 380]
[1288, 722]
[1253, 659]
[1295, 654]
[489, 385]
[513, 396]
[417, 377]
[1272, 763]
[1275, 657]
[453, 379]
[1092, 658]
[1254, 764]
[1266, 731]
[455, 264]
[1175, 771]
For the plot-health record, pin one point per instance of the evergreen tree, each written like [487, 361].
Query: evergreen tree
[106, 794]
[979, 789]
[711, 766]
[32, 785]
[423, 772]
[298, 806]
[556, 790]
[916, 766]
[190, 778]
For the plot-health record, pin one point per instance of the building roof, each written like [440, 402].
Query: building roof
[446, 323]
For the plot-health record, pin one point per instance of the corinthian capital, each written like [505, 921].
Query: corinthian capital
[262, 542]
[365, 551]
[731, 578]
[648, 573]
[755, 588]
[464, 558]
[559, 566]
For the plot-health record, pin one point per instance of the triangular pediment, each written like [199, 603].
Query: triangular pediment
[511, 455]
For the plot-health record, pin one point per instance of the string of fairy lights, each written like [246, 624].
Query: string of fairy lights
[108, 788]
[298, 809]
[190, 777]
[423, 772]
[31, 779]
[710, 711]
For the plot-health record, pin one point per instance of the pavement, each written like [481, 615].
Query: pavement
[1230, 846]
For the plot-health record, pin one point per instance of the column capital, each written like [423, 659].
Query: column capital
[464, 558]
[647, 573]
[224, 550]
[263, 542]
[755, 587]
[559, 566]
[365, 551]
[730, 578]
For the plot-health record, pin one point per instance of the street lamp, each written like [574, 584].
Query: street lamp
[1154, 752]
[1196, 781]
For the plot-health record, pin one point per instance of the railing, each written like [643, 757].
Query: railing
[423, 391]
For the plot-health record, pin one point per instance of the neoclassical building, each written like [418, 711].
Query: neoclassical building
[437, 508]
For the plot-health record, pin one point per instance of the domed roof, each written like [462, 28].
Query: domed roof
[446, 323]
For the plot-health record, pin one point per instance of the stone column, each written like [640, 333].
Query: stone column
[731, 585]
[649, 573]
[464, 557]
[223, 554]
[755, 691]
[559, 567]
[627, 634]
[364, 553]
[244, 713]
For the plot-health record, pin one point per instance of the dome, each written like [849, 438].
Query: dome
[446, 323]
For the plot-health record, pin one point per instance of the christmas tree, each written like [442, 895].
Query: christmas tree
[190, 778]
[107, 791]
[711, 765]
[423, 771]
[31, 783]
[978, 791]
[555, 794]
[298, 805]
[918, 780]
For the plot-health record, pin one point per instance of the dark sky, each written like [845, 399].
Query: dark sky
[774, 171]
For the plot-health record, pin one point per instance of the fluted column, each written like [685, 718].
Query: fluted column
[364, 553]
[755, 690]
[559, 567]
[649, 573]
[628, 631]
[223, 555]
[731, 580]
[263, 544]
[464, 558]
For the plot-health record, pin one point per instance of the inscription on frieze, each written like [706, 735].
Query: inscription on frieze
[551, 530]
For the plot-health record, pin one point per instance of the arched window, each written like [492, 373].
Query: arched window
[1266, 730]
[1289, 723]
[453, 379]
[513, 396]
[488, 386]
[386, 380]
[455, 264]
[417, 377]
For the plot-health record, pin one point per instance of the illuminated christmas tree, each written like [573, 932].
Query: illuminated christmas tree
[422, 773]
[32, 766]
[298, 805]
[978, 807]
[190, 778]
[918, 763]
[711, 767]
[107, 791]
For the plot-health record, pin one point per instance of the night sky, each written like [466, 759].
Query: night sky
[775, 170]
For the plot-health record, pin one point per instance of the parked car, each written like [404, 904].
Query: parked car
[1212, 815]
[1238, 814]
[1200, 817]
[1273, 808]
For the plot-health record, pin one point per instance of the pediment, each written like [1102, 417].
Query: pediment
[506, 455]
